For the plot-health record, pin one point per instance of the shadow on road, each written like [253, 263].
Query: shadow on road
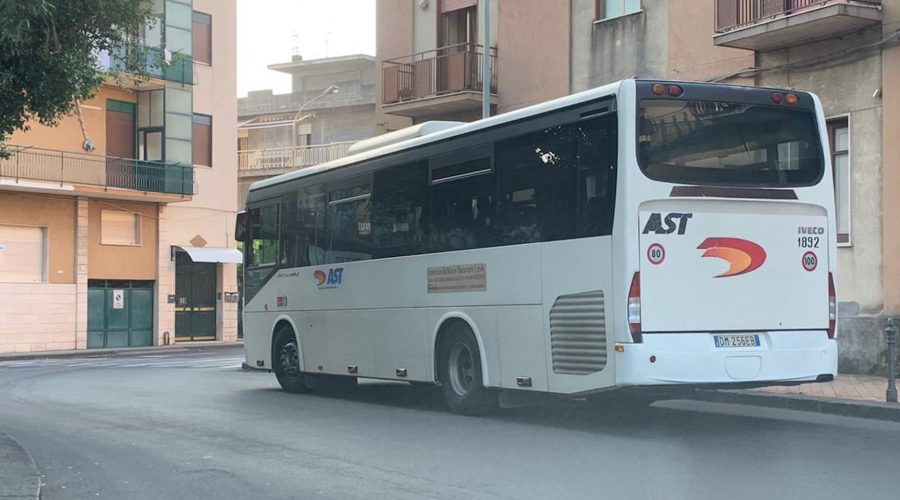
[692, 419]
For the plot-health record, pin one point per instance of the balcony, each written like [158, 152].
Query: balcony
[438, 83]
[776, 24]
[274, 161]
[153, 62]
[81, 174]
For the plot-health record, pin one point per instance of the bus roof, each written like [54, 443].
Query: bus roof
[440, 135]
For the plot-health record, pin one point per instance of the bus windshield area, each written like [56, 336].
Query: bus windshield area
[726, 143]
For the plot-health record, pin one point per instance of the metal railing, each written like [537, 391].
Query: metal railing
[734, 14]
[154, 62]
[445, 70]
[63, 167]
[291, 158]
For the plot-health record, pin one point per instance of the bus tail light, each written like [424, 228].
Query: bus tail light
[675, 90]
[634, 307]
[791, 99]
[832, 307]
[777, 97]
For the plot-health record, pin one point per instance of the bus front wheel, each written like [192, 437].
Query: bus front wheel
[286, 362]
[460, 373]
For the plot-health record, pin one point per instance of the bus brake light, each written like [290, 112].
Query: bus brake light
[634, 307]
[832, 307]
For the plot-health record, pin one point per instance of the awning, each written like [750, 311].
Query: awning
[212, 254]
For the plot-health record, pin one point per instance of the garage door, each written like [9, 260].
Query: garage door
[22, 253]
[120, 313]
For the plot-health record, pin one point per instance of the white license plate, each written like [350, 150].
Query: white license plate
[736, 340]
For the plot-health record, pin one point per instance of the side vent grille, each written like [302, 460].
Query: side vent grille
[578, 333]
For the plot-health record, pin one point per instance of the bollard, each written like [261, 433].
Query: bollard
[890, 331]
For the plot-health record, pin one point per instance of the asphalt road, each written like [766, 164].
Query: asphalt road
[193, 425]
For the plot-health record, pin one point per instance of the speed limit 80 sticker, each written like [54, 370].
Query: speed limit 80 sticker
[656, 254]
[810, 261]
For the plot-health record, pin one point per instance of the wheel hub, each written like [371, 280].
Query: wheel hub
[462, 369]
[290, 359]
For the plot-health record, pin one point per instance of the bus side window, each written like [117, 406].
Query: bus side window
[262, 254]
[463, 204]
[398, 219]
[349, 213]
[597, 153]
[303, 229]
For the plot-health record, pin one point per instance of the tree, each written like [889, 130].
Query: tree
[48, 54]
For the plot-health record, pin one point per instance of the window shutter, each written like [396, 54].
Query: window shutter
[202, 140]
[120, 228]
[451, 5]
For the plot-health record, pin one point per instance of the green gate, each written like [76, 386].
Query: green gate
[195, 299]
[120, 313]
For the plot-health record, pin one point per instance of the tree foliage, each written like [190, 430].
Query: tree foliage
[48, 54]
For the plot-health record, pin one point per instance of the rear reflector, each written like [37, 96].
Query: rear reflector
[832, 307]
[634, 307]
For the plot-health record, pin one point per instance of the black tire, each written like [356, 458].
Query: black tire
[286, 362]
[460, 373]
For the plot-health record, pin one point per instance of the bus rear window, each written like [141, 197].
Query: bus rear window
[725, 143]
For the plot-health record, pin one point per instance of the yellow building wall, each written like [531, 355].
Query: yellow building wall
[67, 136]
[57, 214]
[123, 262]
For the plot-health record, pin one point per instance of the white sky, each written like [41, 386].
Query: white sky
[269, 31]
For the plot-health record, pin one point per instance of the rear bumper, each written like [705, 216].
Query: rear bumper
[693, 358]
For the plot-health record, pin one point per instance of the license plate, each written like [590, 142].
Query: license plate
[736, 340]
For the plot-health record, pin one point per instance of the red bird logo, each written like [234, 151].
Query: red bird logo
[320, 277]
[742, 256]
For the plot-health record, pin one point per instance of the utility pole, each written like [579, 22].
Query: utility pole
[486, 63]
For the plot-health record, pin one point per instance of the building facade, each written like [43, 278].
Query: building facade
[331, 105]
[845, 51]
[116, 225]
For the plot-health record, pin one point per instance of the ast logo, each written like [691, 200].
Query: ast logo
[657, 224]
[330, 278]
[742, 256]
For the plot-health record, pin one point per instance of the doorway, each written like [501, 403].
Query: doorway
[195, 299]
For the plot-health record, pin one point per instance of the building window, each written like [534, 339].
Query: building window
[606, 9]
[202, 140]
[23, 254]
[839, 138]
[202, 29]
[120, 228]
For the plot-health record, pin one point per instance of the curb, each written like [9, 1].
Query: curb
[19, 478]
[124, 351]
[841, 407]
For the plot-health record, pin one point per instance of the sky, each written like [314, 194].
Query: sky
[270, 31]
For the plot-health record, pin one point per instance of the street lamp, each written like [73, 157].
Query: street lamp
[333, 89]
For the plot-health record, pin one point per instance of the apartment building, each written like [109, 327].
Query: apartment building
[331, 105]
[843, 50]
[116, 225]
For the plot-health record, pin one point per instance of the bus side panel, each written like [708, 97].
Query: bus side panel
[578, 290]
[400, 342]
[522, 347]
[314, 343]
[258, 339]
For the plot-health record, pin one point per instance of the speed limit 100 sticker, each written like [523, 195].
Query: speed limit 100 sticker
[656, 254]
[810, 261]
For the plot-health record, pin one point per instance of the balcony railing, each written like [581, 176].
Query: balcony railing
[155, 62]
[734, 14]
[290, 158]
[35, 164]
[446, 70]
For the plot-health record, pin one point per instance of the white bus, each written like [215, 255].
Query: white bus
[638, 234]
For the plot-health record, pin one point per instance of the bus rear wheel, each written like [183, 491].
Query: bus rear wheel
[460, 373]
[286, 362]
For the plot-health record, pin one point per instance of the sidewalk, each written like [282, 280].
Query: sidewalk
[848, 395]
[19, 477]
[181, 347]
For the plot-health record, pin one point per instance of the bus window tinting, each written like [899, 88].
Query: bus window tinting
[552, 184]
[557, 183]
[462, 207]
[262, 254]
[708, 142]
[399, 211]
[349, 212]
